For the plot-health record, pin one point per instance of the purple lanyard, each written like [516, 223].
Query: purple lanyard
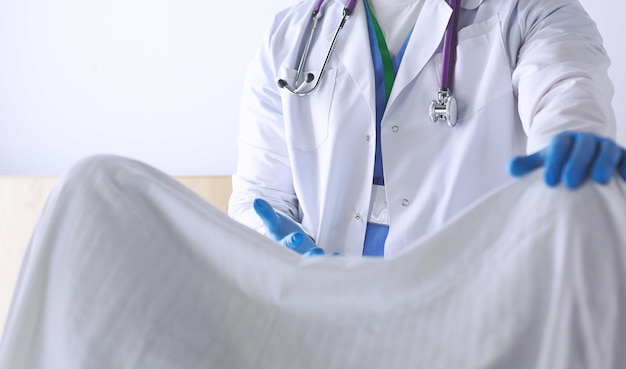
[449, 46]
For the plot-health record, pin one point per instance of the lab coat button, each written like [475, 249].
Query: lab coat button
[405, 202]
[395, 128]
[357, 216]
[367, 138]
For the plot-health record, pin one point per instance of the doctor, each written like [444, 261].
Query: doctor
[359, 166]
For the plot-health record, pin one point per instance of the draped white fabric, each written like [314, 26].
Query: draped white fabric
[128, 269]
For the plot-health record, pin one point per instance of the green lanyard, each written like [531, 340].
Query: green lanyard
[388, 72]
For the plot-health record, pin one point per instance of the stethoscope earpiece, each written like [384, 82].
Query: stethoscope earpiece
[300, 86]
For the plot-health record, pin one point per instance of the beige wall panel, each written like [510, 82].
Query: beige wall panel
[21, 201]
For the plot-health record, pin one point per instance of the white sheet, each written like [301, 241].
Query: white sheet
[129, 269]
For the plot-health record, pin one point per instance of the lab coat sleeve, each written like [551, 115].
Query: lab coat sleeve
[560, 74]
[263, 169]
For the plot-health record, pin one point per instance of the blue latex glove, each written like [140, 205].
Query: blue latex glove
[285, 231]
[572, 158]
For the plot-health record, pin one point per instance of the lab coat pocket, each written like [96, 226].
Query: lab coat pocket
[482, 70]
[307, 117]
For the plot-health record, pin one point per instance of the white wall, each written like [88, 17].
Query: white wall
[157, 80]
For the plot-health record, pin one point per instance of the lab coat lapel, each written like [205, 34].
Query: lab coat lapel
[424, 42]
[353, 51]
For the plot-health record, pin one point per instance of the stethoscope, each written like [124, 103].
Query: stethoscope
[443, 108]
[300, 88]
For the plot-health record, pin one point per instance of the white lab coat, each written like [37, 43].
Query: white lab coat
[525, 71]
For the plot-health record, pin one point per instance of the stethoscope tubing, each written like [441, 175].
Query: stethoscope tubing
[299, 89]
[443, 108]
[449, 46]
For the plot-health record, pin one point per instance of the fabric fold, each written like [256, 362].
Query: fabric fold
[127, 268]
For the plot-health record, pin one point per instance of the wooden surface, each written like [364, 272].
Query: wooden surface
[21, 201]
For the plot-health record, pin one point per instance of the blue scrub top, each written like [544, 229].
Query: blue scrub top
[376, 234]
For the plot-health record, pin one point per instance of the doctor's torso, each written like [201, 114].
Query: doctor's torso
[431, 171]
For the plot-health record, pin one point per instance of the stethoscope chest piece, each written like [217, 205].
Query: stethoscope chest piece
[444, 108]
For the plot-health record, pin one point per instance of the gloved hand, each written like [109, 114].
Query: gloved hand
[572, 157]
[285, 231]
